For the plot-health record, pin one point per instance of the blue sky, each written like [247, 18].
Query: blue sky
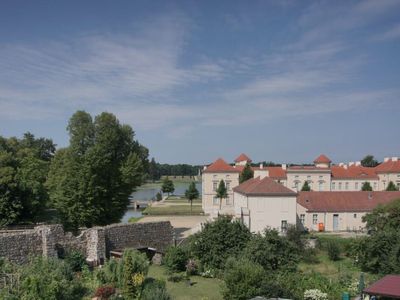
[279, 80]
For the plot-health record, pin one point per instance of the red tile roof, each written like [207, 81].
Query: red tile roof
[344, 201]
[388, 286]
[263, 187]
[276, 172]
[322, 159]
[389, 166]
[308, 168]
[353, 172]
[242, 157]
[220, 166]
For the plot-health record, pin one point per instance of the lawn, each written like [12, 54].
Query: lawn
[182, 200]
[179, 210]
[201, 288]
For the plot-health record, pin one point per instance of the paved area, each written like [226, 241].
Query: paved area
[183, 225]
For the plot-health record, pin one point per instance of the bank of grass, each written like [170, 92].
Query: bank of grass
[181, 200]
[170, 210]
[201, 288]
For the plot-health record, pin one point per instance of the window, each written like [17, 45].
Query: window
[340, 186]
[308, 177]
[356, 186]
[355, 216]
[228, 201]
[375, 186]
[302, 218]
[215, 184]
[296, 185]
[215, 201]
[321, 186]
[315, 218]
[283, 225]
[228, 185]
[347, 186]
[333, 185]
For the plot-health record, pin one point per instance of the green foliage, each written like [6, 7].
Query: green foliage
[366, 186]
[296, 236]
[24, 165]
[75, 260]
[243, 279]
[271, 251]
[134, 219]
[155, 290]
[91, 180]
[167, 186]
[158, 196]
[221, 191]
[392, 187]
[369, 161]
[333, 250]
[306, 187]
[175, 259]
[246, 174]
[134, 265]
[191, 193]
[384, 217]
[219, 240]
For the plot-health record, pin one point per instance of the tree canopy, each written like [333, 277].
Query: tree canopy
[392, 187]
[24, 164]
[167, 186]
[90, 181]
[366, 186]
[246, 174]
[306, 187]
[369, 161]
[192, 193]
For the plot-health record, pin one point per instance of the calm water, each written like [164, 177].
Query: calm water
[148, 192]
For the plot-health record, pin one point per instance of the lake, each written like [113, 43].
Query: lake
[148, 192]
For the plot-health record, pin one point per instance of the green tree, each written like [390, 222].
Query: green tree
[135, 267]
[392, 187]
[91, 180]
[246, 174]
[384, 217]
[306, 187]
[191, 193]
[153, 170]
[167, 186]
[175, 259]
[366, 186]
[369, 161]
[218, 240]
[222, 192]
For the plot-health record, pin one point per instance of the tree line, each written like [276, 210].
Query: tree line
[156, 170]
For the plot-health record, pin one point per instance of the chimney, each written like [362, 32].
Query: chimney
[345, 166]
[351, 163]
[284, 166]
[261, 166]
[395, 158]
[205, 167]
[358, 163]
[386, 159]
[341, 164]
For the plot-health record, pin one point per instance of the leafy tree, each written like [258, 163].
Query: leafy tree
[306, 187]
[135, 266]
[271, 251]
[384, 217]
[221, 192]
[167, 186]
[218, 240]
[191, 193]
[246, 174]
[366, 186]
[369, 161]
[175, 259]
[153, 171]
[392, 187]
[24, 164]
[91, 180]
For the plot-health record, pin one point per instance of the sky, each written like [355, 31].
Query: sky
[281, 81]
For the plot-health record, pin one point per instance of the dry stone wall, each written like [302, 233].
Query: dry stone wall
[95, 243]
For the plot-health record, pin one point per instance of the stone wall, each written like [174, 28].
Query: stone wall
[95, 243]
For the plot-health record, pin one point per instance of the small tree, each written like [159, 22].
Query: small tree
[369, 161]
[306, 187]
[191, 193]
[221, 192]
[167, 186]
[246, 173]
[391, 187]
[366, 186]
[333, 250]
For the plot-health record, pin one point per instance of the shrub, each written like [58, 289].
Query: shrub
[155, 290]
[333, 250]
[158, 196]
[310, 256]
[296, 236]
[104, 292]
[175, 259]
[243, 279]
[219, 240]
[75, 260]
[135, 266]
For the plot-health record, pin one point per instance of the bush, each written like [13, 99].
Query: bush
[135, 266]
[155, 290]
[75, 260]
[296, 236]
[310, 256]
[175, 259]
[104, 292]
[219, 240]
[191, 267]
[158, 196]
[333, 250]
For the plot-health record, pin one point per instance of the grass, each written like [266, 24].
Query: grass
[201, 288]
[179, 210]
[134, 219]
[177, 199]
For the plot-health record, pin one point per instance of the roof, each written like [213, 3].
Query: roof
[344, 201]
[276, 172]
[353, 172]
[242, 157]
[390, 166]
[263, 187]
[308, 168]
[388, 286]
[322, 159]
[220, 166]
